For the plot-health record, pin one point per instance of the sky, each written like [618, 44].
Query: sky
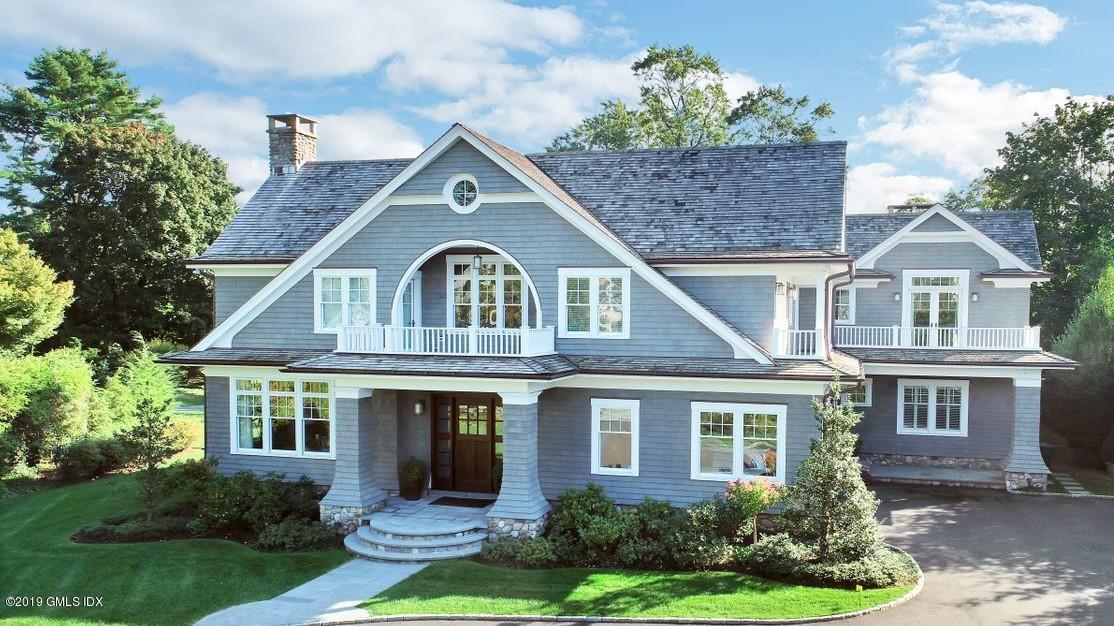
[924, 92]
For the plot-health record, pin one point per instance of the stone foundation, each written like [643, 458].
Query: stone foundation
[346, 519]
[1026, 480]
[516, 528]
[933, 461]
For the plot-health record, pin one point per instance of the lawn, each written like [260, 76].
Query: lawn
[468, 587]
[190, 397]
[196, 448]
[1094, 480]
[170, 582]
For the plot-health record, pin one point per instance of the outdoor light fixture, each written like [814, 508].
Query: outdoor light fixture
[781, 289]
[897, 296]
[974, 296]
[476, 260]
[419, 407]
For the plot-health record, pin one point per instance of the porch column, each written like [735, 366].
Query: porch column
[520, 510]
[354, 492]
[1025, 467]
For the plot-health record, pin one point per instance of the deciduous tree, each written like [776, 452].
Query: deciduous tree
[31, 300]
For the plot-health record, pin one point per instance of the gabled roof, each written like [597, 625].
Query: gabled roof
[1013, 230]
[669, 203]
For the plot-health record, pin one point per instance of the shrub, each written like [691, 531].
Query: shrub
[187, 483]
[504, 551]
[295, 535]
[779, 556]
[529, 553]
[90, 458]
[130, 529]
[649, 547]
[709, 535]
[245, 504]
[576, 511]
[44, 402]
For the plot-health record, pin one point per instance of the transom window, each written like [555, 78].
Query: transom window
[594, 303]
[932, 407]
[738, 441]
[843, 305]
[615, 437]
[935, 281]
[343, 297]
[283, 417]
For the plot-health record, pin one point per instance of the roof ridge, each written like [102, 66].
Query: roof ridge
[740, 146]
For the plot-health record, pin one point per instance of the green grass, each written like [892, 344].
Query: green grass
[190, 397]
[468, 587]
[196, 449]
[1093, 480]
[169, 582]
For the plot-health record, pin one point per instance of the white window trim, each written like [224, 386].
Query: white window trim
[593, 274]
[501, 263]
[907, 288]
[932, 384]
[867, 384]
[299, 422]
[343, 274]
[606, 403]
[447, 193]
[850, 321]
[779, 410]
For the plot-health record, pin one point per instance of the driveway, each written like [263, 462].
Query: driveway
[993, 558]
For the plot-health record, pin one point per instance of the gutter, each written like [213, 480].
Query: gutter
[829, 288]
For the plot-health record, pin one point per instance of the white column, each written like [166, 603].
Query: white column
[821, 315]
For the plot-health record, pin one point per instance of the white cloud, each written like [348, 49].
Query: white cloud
[957, 121]
[451, 46]
[737, 84]
[957, 27]
[234, 128]
[874, 186]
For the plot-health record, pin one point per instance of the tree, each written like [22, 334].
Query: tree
[1061, 168]
[152, 438]
[125, 206]
[683, 103]
[68, 88]
[829, 506]
[31, 302]
[769, 115]
[970, 198]
[918, 199]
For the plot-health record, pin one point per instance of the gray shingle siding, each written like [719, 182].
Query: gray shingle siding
[990, 417]
[287, 323]
[745, 301]
[936, 224]
[1025, 453]
[230, 292]
[665, 423]
[461, 158]
[806, 308]
[1013, 230]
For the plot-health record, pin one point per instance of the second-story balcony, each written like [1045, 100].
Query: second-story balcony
[380, 339]
[795, 344]
[938, 337]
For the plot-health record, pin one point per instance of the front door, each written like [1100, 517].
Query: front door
[467, 429]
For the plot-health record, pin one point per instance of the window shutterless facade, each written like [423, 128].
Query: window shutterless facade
[861, 396]
[615, 437]
[744, 441]
[282, 417]
[932, 407]
[593, 303]
[343, 297]
[843, 305]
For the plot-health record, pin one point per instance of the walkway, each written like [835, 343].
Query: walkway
[333, 596]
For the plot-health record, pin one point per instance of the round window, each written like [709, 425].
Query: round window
[464, 192]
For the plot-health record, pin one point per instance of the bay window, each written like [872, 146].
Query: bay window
[282, 416]
[743, 441]
[593, 303]
[343, 297]
[615, 437]
[932, 407]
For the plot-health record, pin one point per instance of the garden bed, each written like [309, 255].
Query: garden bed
[468, 588]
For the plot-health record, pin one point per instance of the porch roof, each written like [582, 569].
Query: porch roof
[1018, 358]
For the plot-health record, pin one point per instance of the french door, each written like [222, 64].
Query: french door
[490, 294]
[934, 310]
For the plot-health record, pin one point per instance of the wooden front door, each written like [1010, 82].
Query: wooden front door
[464, 442]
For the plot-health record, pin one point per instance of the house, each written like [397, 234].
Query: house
[654, 321]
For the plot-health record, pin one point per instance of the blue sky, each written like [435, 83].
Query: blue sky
[924, 92]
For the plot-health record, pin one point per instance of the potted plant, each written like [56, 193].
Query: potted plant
[412, 477]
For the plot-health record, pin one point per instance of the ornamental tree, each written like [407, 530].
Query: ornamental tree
[31, 300]
[829, 505]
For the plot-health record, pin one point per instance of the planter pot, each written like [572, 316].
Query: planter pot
[410, 492]
[1110, 468]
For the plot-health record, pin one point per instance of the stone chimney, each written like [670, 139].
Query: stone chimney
[293, 141]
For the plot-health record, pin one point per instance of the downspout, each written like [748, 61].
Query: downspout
[829, 288]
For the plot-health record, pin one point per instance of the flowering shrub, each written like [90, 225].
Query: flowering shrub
[750, 497]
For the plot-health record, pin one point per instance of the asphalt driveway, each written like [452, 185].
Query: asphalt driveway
[994, 558]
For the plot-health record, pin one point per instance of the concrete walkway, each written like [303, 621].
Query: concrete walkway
[335, 595]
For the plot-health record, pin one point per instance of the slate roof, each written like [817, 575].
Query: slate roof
[240, 356]
[1013, 230]
[540, 368]
[1017, 358]
[704, 368]
[661, 203]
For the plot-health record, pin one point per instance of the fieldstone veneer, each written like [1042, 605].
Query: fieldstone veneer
[520, 510]
[1025, 468]
[354, 492]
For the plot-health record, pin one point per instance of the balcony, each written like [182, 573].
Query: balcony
[796, 344]
[380, 339]
[936, 337]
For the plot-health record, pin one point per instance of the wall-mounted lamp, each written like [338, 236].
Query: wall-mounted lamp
[476, 261]
[974, 296]
[897, 296]
[781, 289]
[419, 407]
[792, 289]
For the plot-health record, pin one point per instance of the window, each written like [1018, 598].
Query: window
[343, 298]
[615, 437]
[738, 441]
[862, 395]
[932, 407]
[594, 303]
[843, 304]
[282, 416]
[494, 295]
[462, 193]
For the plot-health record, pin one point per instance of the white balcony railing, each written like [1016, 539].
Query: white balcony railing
[382, 339]
[796, 344]
[1024, 338]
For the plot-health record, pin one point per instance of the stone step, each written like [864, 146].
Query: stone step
[391, 527]
[357, 547]
[367, 535]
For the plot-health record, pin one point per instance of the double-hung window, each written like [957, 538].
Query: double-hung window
[594, 302]
[744, 441]
[861, 396]
[843, 305]
[932, 407]
[343, 297]
[615, 437]
[283, 417]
